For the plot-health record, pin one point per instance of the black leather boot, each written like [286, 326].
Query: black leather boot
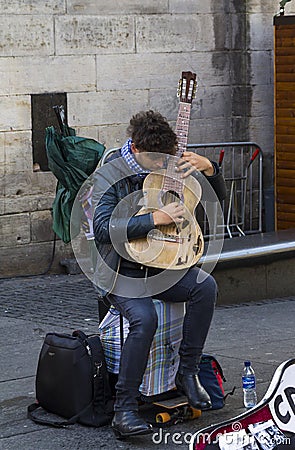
[129, 423]
[191, 387]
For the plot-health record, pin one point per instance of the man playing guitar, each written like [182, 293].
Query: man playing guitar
[117, 199]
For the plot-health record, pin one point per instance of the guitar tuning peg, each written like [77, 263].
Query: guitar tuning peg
[179, 88]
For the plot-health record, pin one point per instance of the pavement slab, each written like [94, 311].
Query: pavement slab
[30, 307]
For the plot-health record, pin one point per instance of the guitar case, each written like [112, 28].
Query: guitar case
[269, 425]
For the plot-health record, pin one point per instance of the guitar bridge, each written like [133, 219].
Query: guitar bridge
[159, 236]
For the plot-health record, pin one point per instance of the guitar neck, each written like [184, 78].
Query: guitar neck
[173, 180]
[182, 126]
[186, 92]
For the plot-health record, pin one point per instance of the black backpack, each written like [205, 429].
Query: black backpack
[72, 381]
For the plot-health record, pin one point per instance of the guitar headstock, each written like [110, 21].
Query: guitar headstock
[187, 87]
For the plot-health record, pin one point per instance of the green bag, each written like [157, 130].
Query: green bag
[72, 160]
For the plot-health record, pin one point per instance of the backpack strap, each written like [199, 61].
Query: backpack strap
[89, 348]
[101, 390]
[53, 423]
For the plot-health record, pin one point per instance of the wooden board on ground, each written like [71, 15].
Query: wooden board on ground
[178, 410]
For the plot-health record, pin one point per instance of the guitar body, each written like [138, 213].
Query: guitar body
[174, 246]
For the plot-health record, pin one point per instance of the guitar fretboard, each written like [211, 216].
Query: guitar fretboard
[173, 180]
[182, 126]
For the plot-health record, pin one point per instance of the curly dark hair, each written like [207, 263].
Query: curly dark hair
[151, 132]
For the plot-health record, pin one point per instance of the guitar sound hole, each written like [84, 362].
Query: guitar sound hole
[170, 197]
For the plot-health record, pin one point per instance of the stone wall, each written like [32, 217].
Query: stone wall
[112, 59]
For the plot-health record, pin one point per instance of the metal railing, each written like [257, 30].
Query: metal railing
[241, 165]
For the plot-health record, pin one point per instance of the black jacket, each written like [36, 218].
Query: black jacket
[116, 199]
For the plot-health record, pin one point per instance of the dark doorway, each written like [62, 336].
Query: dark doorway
[43, 116]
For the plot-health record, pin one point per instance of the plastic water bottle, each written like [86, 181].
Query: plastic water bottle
[249, 385]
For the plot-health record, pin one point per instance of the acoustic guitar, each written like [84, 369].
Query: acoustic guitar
[173, 246]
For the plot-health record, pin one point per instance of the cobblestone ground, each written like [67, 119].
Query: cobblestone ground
[65, 300]
[68, 301]
[32, 306]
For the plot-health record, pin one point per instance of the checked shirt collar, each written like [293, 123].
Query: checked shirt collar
[131, 161]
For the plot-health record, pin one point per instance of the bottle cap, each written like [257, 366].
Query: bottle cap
[247, 363]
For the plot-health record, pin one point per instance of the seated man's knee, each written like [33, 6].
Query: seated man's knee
[207, 288]
[211, 285]
[145, 323]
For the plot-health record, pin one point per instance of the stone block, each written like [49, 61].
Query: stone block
[278, 271]
[29, 183]
[209, 103]
[238, 34]
[17, 184]
[87, 132]
[15, 113]
[235, 7]
[199, 6]
[261, 31]
[99, 7]
[190, 6]
[165, 101]
[261, 131]
[41, 226]
[113, 135]
[238, 284]
[33, 259]
[32, 7]
[94, 34]
[212, 72]
[2, 208]
[26, 35]
[160, 70]
[219, 72]
[262, 101]
[240, 129]
[148, 70]
[212, 101]
[289, 8]
[18, 152]
[214, 130]
[242, 100]
[14, 230]
[45, 201]
[108, 107]
[26, 203]
[42, 182]
[47, 74]
[2, 154]
[2, 185]
[262, 6]
[240, 65]
[173, 33]
[222, 31]
[19, 203]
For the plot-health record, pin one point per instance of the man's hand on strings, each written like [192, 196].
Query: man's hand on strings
[190, 161]
[171, 213]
